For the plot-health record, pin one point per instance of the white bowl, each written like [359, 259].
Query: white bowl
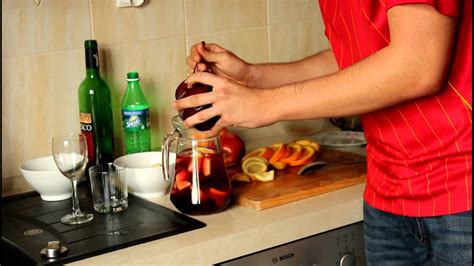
[144, 177]
[302, 127]
[44, 176]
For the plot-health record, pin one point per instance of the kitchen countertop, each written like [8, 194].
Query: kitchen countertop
[234, 232]
[238, 231]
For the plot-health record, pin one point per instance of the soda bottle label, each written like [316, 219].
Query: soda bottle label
[135, 120]
[88, 130]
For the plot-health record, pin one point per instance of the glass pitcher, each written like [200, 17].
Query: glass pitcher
[200, 184]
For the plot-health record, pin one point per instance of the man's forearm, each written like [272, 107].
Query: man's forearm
[272, 75]
[414, 65]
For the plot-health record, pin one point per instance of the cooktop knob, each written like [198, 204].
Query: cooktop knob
[347, 259]
[53, 250]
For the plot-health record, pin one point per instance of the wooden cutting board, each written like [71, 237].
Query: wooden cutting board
[288, 186]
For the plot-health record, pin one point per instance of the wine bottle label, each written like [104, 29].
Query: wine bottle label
[135, 120]
[88, 130]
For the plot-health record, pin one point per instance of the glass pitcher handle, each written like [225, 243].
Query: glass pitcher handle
[165, 158]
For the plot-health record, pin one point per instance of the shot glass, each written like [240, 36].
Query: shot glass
[109, 187]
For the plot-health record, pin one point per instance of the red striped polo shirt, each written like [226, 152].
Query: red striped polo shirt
[419, 153]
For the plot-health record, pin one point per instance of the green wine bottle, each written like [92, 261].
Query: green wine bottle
[135, 117]
[95, 109]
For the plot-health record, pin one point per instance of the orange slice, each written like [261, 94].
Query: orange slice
[205, 150]
[218, 193]
[279, 150]
[218, 196]
[183, 178]
[264, 152]
[206, 166]
[296, 151]
[278, 165]
[309, 153]
[308, 142]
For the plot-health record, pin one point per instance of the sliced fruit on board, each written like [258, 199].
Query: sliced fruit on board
[279, 150]
[255, 167]
[278, 165]
[308, 142]
[254, 159]
[266, 176]
[309, 153]
[241, 177]
[263, 152]
[296, 152]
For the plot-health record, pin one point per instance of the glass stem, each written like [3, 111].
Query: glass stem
[75, 199]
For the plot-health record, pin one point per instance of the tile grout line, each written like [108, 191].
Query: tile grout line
[91, 20]
[186, 39]
[268, 32]
[159, 38]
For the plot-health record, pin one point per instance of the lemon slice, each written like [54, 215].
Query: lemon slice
[254, 160]
[265, 176]
[241, 177]
[254, 168]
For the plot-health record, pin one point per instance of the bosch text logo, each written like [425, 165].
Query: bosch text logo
[275, 260]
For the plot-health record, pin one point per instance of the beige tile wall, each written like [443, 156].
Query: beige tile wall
[43, 64]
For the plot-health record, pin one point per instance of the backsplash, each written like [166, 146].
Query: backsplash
[43, 57]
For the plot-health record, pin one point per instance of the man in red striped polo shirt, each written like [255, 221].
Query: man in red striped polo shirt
[405, 66]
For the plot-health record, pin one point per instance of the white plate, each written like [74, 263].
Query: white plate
[341, 138]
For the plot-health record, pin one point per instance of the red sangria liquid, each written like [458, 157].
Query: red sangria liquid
[215, 190]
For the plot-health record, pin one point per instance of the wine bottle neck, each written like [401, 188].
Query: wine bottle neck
[92, 57]
[92, 73]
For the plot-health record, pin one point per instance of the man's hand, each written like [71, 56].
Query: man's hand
[211, 57]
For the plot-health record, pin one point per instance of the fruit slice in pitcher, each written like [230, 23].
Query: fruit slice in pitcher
[206, 166]
[200, 157]
[183, 179]
[218, 196]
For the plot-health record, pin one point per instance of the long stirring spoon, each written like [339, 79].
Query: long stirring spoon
[195, 195]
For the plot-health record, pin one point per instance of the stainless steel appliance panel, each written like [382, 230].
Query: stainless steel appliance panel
[341, 246]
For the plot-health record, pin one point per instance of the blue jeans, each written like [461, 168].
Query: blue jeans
[398, 240]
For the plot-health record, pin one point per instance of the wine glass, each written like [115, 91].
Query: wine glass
[70, 156]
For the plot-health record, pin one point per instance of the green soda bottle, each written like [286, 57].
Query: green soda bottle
[135, 117]
[95, 109]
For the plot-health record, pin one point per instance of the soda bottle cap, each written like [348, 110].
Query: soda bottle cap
[90, 44]
[132, 76]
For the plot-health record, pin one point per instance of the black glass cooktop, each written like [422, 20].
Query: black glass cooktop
[29, 223]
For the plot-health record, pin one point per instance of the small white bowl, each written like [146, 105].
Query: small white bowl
[44, 176]
[302, 127]
[144, 177]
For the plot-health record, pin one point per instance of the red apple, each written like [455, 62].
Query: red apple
[183, 91]
[233, 147]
